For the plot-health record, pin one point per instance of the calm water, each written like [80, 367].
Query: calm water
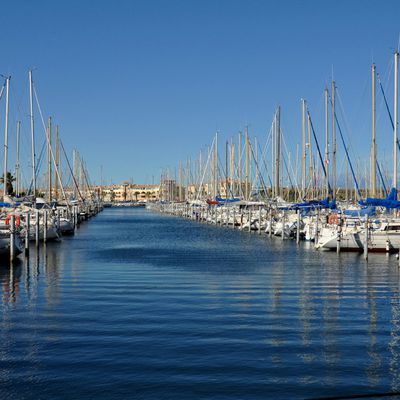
[144, 306]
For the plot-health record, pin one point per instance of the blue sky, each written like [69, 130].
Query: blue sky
[139, 85]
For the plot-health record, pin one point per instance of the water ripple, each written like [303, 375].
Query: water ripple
[139, 305]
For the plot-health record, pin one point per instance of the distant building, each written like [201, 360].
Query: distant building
[225, 189]
[130, 192]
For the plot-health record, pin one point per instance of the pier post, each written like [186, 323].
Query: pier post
[58, 221]
[316, 228]
[270, 222]
[339, 230]
[12, 238]
[241, 219]
[76, 216]
[27, 231]
[249, 219]
[259, 220]
[298, 227]
[44, 226]
[366, 238]
[37, 228]
[283, 225]
[234, 218]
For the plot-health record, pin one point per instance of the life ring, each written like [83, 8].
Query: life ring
[333, 219]
[17, 219]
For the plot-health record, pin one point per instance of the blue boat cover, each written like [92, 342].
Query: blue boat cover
[314, 204]
[360, 213]
[221, 200]
[390, 201]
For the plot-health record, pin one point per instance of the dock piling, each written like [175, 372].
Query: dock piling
[270, 222]
[44, 226]
[59, 221]
[12, 238]
[366, 238]
[37, 228]
[249, 219]
[27, 231]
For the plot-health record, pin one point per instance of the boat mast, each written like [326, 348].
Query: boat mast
[6, 136]
[215, 192]
[247, 166]
[17, 164]
[58, 162]
[256, 173]
[311, 172]
[250, 174]
[327, 141]
[304, 151]
[74, 173]
[32, 136]
[273, 150]
[232, 171]
[80, 174]
[49, 159]
[240, 189]
[347, 180]
[373, 148]
[396, 77]
[277, 151]
[334, 144]
[198, 187]
[226, 168]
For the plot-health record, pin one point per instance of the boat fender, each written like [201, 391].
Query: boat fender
[333, 219]
[17, 220]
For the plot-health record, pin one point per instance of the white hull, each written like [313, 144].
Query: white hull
[378, 241]
[51, 233]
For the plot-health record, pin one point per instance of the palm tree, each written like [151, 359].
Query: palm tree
[9, 185]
